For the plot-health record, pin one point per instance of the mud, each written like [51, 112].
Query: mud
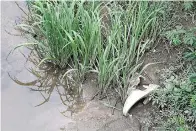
[163, 55]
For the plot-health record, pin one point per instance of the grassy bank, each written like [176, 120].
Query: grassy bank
[110, 39]
[93, 37]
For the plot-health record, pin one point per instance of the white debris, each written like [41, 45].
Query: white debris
[136, 95]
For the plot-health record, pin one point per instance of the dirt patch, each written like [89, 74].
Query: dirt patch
[164, 55]
[96, 116]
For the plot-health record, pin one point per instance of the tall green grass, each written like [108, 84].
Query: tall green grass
[68, 32]
[132, 31]
[69, 35]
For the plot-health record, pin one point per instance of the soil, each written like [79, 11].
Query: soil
[163, 56]
[19, 113]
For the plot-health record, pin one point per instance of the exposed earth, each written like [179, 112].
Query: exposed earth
[18, 102]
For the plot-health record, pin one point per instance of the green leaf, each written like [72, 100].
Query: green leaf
[176, 40]
[193, 78]
[190, 56]
[188, 5]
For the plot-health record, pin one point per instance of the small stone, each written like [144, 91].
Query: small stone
[146, 101]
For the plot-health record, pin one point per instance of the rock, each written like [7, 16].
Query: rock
[146, 101]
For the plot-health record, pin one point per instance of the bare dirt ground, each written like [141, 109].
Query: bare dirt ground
[164, 55]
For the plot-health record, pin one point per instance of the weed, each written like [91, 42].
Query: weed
[131, 32]
[177, 100]
[69, 35]
[176, 123]
[188, 5]
[182, 36]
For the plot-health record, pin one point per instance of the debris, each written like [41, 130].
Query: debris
[136, 95]
[146, 101]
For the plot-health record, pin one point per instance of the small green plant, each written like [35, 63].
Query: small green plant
[190, 37]
[177, 102]
[193, 78]
[188, 5]
[176, 123]
[175, 35]
[181, 36]
[190, 55]
[186, 38]
[177, 99]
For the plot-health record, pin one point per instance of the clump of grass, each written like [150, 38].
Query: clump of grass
[132, 31]
[69, 35]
